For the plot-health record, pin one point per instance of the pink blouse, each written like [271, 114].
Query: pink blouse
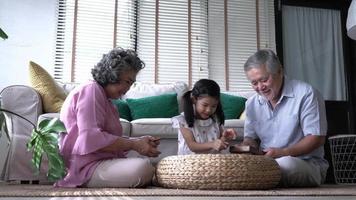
[92, 122]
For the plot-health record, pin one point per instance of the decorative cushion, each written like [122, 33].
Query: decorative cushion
[51, 93]
[160, 106]
[122, 108]
[243, 115]
[218, 172]
[232, 105]
[141, 90]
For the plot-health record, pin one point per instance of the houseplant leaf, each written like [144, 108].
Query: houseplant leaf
[3, 34]
[37, 153]
[3, 127]
[45, 140]
[53, 125]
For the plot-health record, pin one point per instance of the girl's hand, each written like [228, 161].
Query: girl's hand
[219, 145]
[229, 134]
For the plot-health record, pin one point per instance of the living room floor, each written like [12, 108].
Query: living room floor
[15, 191]
[183, 198]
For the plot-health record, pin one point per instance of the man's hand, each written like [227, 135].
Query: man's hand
[306, 145]
[229, 134]
[276, 152]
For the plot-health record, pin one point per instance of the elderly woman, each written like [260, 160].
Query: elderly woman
[93, 148]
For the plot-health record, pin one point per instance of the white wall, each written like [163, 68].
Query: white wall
[31, 26]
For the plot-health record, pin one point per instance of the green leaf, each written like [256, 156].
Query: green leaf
[56, 166]
[32, 141]
[3, 34]
[37, 153]
[3, 127]
[45, 141]
[42, 124]
[51, 138]
[53, 125]
[2, 118]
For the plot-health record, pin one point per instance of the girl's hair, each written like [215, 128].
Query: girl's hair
[202, 88]
[115, 63]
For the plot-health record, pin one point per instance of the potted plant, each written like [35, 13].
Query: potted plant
[43, 141]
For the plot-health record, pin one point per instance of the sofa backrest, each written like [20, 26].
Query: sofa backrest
[140, 90]
[245, 94]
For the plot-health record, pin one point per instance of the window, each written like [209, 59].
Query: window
[179, 40]
[236, 31]
[173, 45]
[86, 30]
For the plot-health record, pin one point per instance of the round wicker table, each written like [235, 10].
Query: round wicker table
[218, 171]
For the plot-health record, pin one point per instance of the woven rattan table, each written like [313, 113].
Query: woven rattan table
[218, 171]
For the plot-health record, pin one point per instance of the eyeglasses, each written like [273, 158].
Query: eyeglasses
[126, 82]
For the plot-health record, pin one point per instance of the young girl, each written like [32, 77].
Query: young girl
[201, 124]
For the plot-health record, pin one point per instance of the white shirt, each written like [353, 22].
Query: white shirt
[299, 112]
[203, 131]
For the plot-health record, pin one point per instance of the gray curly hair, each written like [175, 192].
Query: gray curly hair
[114, 63]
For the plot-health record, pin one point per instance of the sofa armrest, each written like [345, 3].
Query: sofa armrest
[26, 102]
[23, 100]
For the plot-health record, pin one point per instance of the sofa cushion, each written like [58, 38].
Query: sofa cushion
[160, 106]
[232, 105]
[159, 127]
[51, 93]
[122, 108]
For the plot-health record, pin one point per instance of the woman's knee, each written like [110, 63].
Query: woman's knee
[144, 171]
[128, 172]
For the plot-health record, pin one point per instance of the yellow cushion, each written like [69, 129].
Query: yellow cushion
[243, 115]
[51, 93]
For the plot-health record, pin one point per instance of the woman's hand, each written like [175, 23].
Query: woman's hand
[229, 134]
[146, 145]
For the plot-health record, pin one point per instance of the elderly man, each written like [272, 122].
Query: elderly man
[286, 119]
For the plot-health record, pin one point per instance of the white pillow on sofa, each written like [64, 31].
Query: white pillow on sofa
[140, 90]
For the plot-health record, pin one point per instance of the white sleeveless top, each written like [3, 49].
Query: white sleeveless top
[203, 131]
